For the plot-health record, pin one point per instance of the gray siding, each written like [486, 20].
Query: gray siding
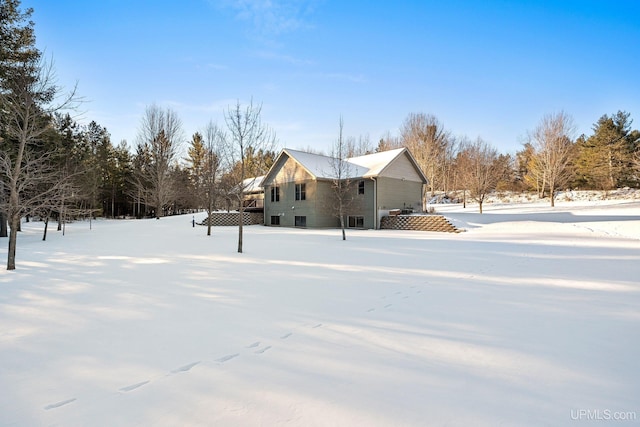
[319, 206]
[290, 173]
[397, 194]
[401, 168]
[363, 204]
[316, 207]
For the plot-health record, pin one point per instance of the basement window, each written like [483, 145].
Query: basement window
[356, 221]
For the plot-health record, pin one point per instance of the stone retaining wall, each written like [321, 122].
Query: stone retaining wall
[418, 222]
[225, 219]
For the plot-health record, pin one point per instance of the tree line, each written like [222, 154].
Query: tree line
[551, 159]
[51, 166]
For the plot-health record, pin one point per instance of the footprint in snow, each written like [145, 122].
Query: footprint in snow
[388, 305]
[254, 345]
[285, 336]
[133, 386]
[59, 404]
[317, 326]
[227, 357]
[262, 350]
[370, 310]
[185, 368]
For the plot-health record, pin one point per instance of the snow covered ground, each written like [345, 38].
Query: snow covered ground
[530, 318]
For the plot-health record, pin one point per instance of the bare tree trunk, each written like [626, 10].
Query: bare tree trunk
[61, 214]
[240, 230]
[4, 232]
[13, 239]
[14, 204]
[209, 221]
[46, 226]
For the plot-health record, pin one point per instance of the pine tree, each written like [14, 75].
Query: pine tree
[196, 160]
[605, 158]
[28, 100]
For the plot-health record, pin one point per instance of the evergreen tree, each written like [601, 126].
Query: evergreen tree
[17, 46]
[27, 103]
[196, 160]
[123, 170]
[605, 158]
[140, 165]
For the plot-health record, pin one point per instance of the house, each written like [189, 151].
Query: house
[253, 194]
[298, 188]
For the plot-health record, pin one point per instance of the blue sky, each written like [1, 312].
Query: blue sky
[485, 68]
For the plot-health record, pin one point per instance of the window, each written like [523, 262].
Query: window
[356, 222]
[275, 219]
[275, 194]
[301, 191]
[301, 221]
[361, 187]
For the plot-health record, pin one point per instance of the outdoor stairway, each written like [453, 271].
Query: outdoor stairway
[418, 223]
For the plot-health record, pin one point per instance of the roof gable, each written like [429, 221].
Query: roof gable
[323, 167]
[376, 162]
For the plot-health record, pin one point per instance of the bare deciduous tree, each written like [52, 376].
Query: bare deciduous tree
[554, 151]
[28, 99]
[479, 169]
[427, 140]
[161, 135]
[359, 146]
[341, 182]
[388, 142]
[214, 139]
[247, 135]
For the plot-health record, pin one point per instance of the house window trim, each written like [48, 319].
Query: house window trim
[275, 194]
[300, 191]
[275, 220]
[361, 187]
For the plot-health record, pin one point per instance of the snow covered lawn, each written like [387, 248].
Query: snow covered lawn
[530, 318]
